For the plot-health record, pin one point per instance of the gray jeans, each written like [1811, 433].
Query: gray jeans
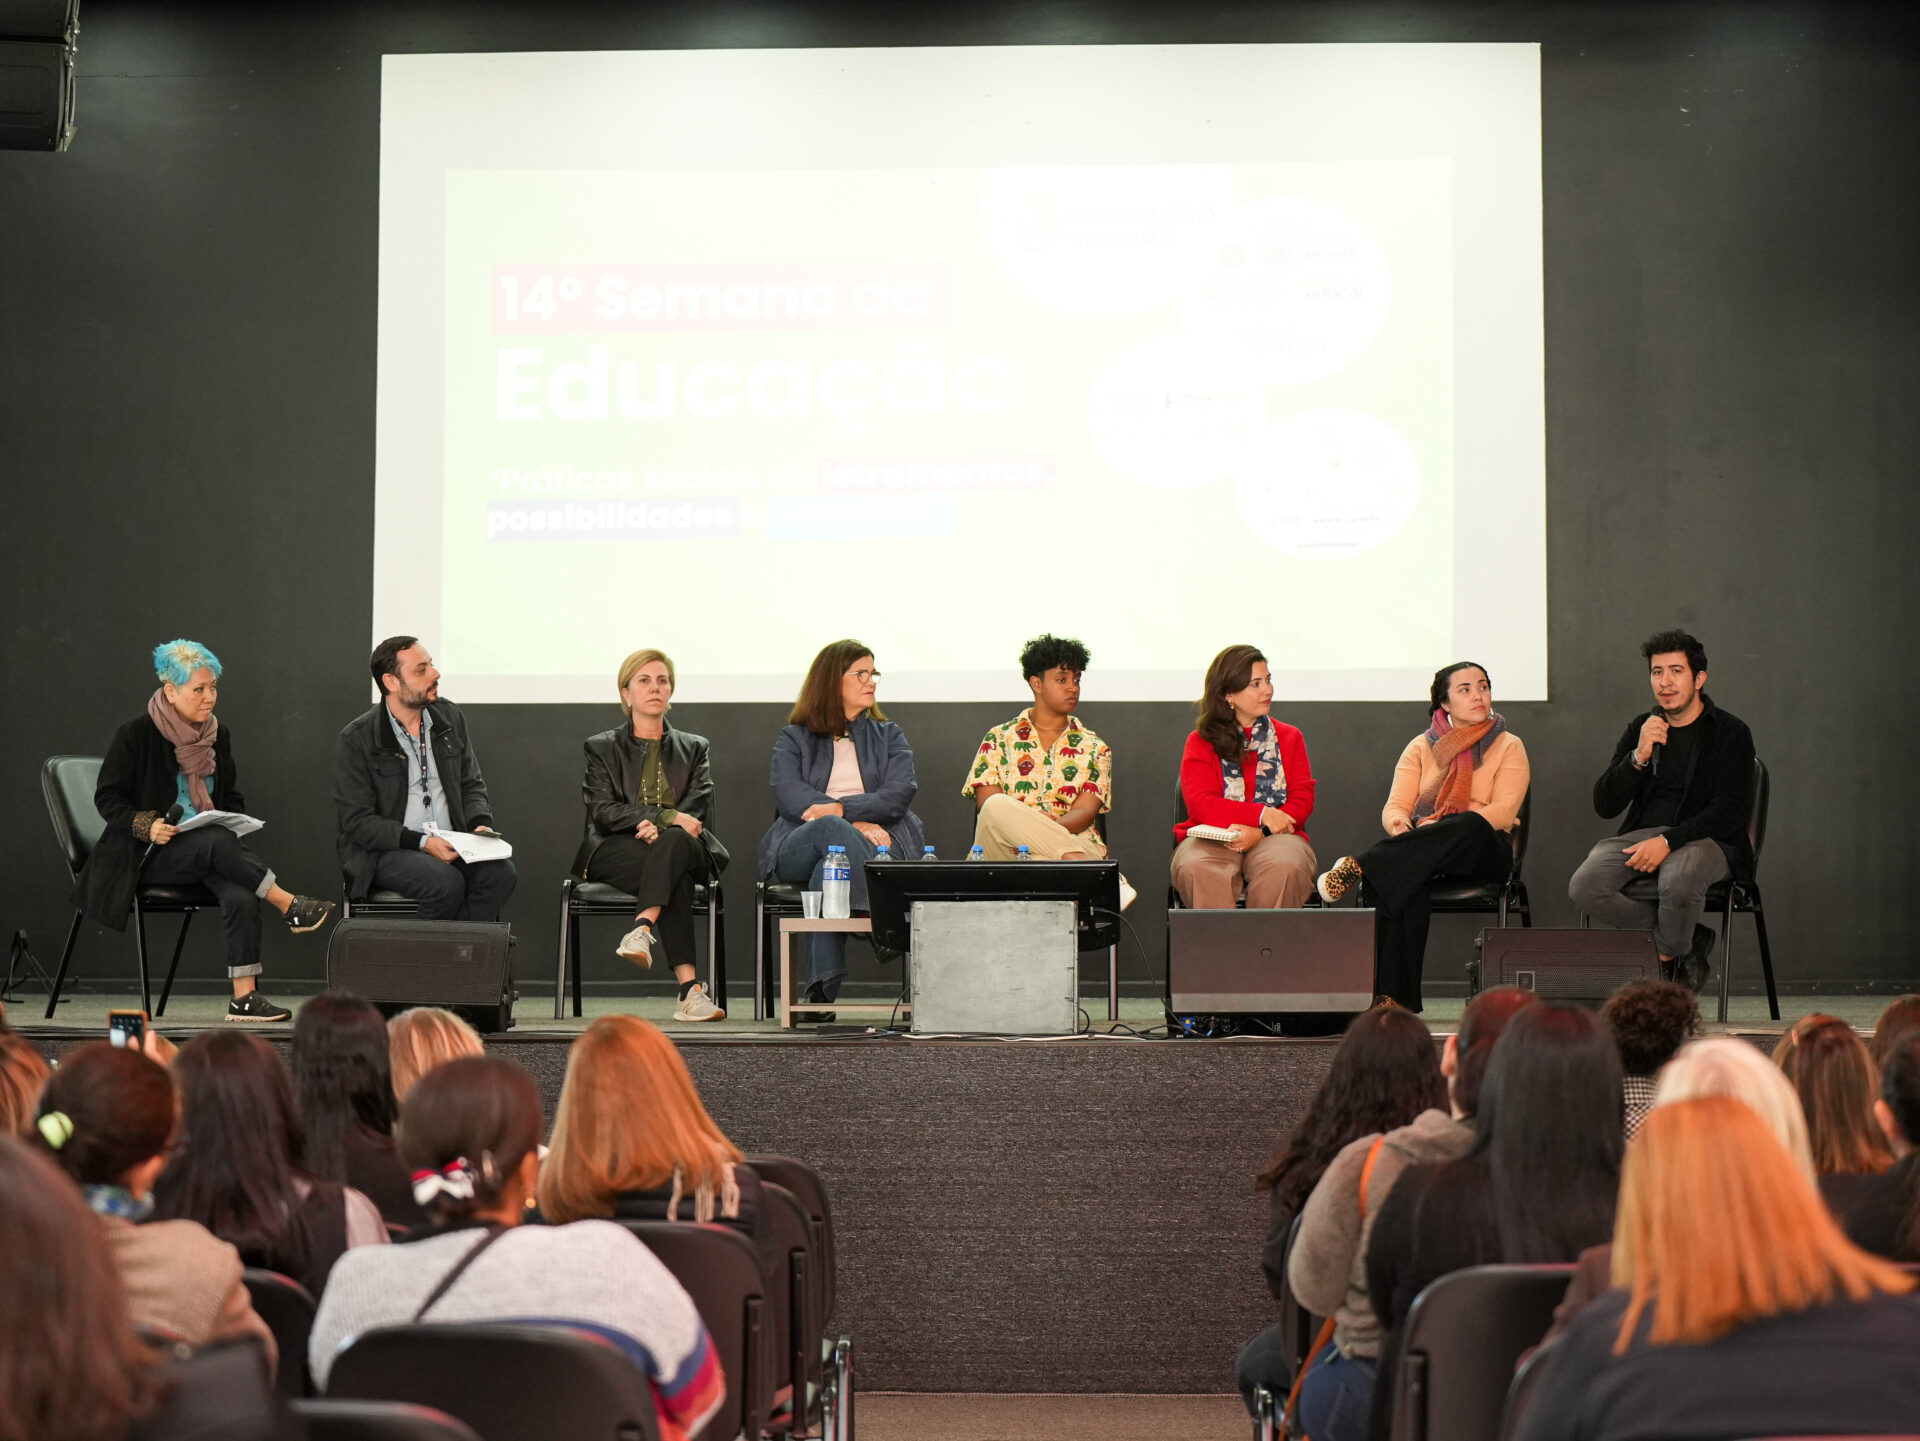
[1667, 902]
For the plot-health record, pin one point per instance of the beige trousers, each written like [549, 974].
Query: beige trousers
[1277, 874]
[1004, 825]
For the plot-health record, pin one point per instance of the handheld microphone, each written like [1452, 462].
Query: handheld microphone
[1654, 763]
[172, 818]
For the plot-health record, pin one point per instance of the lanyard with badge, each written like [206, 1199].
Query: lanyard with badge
[426, 786]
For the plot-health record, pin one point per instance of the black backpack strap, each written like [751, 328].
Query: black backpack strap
[494, 1233]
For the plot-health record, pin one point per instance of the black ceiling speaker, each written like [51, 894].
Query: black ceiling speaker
[36, 73]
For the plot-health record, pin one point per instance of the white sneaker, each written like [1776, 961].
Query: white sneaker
[696, 1005]
[638, 946]
[1128, 895]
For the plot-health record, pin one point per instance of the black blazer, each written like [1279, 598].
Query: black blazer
[1719, 784]
[139, 782]
[370, 779]
[612, 782]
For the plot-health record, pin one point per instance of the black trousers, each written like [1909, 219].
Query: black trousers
[1396, 871]
[658, 874]
[214, 857]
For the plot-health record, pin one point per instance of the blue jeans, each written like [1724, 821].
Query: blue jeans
[1337, 1395]
[799, 863]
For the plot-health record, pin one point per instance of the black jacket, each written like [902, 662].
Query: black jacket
[370, 779]
[1719, 790]
[612, 782]
[139, 782]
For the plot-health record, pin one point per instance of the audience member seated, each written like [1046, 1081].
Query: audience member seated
[1900, 1018]
[1749, 1316]
[649, 796]
[1328, 1268]
[424, 1037]
[632, 1140]
[1881, 1213]
[23, 1072]
[1715, 1066]
[842, 776]
[1248, 772]
[1650, 1021]
[340, 1071]
[1457, 790]
[1830, 1068]
[240, 1167]
[470, 1131]
[107, 1118]
[1385, 1073]
[1538, 1185]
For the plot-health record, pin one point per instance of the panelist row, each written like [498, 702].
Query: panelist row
[406, 775]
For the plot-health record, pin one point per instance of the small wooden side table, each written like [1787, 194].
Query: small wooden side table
[808, 925]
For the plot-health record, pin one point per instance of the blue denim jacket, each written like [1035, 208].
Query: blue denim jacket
[802, 762]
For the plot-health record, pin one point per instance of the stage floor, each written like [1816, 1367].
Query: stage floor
[533, 1015]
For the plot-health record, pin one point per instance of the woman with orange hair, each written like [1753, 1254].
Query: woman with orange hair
[631, 1138]
[1738, 1308]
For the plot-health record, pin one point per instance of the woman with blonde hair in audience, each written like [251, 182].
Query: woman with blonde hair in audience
[1738, 1308]
[23, 1072]
[422, 1038]
[632, 1139]
[108, 1118]
[1837, 1082]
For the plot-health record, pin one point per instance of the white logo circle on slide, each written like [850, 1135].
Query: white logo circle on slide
[1300, 287]
[1173, 413]
[1103, 241]
[1326, 484]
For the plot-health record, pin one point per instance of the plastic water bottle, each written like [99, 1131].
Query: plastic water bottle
[885, 853]
[978, 853]
[1023, 855]
[836, 885]
[927, 854]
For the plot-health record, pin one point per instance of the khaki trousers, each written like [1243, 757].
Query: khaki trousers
[1277, 874]
[1004, 825]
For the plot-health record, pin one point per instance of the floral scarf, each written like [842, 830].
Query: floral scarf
[1456, 752]
[1263, 758]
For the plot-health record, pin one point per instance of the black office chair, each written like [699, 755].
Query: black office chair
[68, 783]
[509, 1383]
[1495, 898]
[580, 899]
[1731, 897]
[1463, 1336]
[323, 1420]
[724, 1275]
[287, 1307]
[376, 902]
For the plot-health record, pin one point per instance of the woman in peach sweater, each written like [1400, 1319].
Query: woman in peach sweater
[1456, 794]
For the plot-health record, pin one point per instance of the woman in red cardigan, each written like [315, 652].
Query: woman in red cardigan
[1248, 773]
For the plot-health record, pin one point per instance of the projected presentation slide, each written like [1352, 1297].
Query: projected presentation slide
[737, 352]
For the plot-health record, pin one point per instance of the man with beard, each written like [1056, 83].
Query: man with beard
[405, 766]
[1683, 773]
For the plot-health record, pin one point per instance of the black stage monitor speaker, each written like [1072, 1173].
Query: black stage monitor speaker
[1565, 965]
[36, 73]
[464, 966]
[1234, 962]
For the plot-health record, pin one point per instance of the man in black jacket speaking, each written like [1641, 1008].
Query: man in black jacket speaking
[403, 771]
[1683, 772]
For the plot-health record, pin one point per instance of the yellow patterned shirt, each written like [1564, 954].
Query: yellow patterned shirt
[1051, 780]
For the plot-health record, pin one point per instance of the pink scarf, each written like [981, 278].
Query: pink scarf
[192, 746]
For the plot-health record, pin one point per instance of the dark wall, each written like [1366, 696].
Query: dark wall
[187, 312]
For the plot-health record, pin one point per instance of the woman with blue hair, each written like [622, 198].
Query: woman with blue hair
[177, 754]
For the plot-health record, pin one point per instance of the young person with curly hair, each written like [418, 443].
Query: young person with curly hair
[1650, 1020]
[1247, 772]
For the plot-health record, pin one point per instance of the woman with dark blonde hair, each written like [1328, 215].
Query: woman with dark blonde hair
[649, 798]
[1247, 773]
[421, 1038]
[1738, 1308]
[631, 1138]
[1837, 1083]
[842, 776]
[23, 1072]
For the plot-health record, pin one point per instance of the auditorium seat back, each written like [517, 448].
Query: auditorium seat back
[378, 1421]
[724, 1275]
[796, 1291]
[287, 1308]
[1462, 1338]
[509, 1383]
[811, 1192]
